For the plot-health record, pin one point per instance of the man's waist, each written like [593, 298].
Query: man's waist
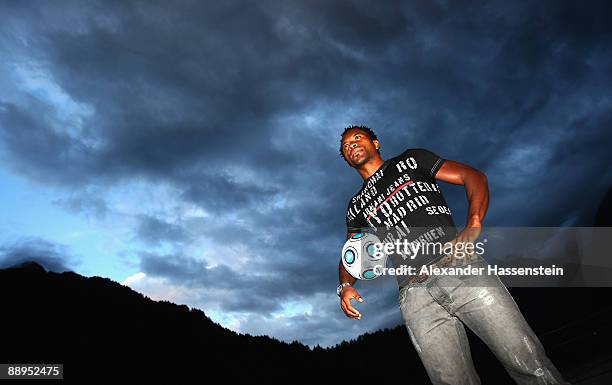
[443, 261]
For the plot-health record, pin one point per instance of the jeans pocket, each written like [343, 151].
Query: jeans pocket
[403, 295]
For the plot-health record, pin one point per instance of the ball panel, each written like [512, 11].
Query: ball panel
[370, 249]
[369, 274]
[349, 256]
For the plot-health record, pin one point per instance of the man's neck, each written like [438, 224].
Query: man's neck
[368, 169]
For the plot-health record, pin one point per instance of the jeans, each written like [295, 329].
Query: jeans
[436, 310]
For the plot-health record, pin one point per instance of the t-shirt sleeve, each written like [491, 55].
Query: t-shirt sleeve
[428, 162]
[352, 228]
[352, 224]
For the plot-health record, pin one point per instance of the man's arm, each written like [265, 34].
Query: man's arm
[477, 191]
[344, 275]
[476, 186]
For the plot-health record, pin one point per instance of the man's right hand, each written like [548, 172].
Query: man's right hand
[349, 293]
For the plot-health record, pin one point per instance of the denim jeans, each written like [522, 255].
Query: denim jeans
[436, 310]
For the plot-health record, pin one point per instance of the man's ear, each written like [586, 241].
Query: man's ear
[376, 144]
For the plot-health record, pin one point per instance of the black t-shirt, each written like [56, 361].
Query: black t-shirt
[402, 200]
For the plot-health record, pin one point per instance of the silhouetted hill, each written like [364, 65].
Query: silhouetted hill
[101, 329]
[98, 327]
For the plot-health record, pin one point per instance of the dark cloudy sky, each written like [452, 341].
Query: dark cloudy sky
[190, 149]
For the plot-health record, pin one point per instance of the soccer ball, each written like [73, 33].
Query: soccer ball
[359, 256]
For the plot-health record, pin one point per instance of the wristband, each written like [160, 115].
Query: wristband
[340, 287]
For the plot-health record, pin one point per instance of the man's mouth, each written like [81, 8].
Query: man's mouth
[356, 151]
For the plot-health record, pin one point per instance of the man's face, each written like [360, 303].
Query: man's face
[358, 148]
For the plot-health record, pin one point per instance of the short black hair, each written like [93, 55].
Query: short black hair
[368, 131]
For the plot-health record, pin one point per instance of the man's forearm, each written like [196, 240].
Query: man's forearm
[477, 191]
[344, 275]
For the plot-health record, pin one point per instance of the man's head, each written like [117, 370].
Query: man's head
[358, 145]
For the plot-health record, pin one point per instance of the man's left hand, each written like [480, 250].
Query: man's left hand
[465, 237]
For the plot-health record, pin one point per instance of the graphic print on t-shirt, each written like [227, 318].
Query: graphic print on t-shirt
[402, 200]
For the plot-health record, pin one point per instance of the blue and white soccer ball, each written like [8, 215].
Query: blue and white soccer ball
[360, 256]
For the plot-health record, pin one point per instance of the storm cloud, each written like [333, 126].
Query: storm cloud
[51, 256]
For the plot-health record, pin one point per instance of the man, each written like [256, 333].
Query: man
[400, 196]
